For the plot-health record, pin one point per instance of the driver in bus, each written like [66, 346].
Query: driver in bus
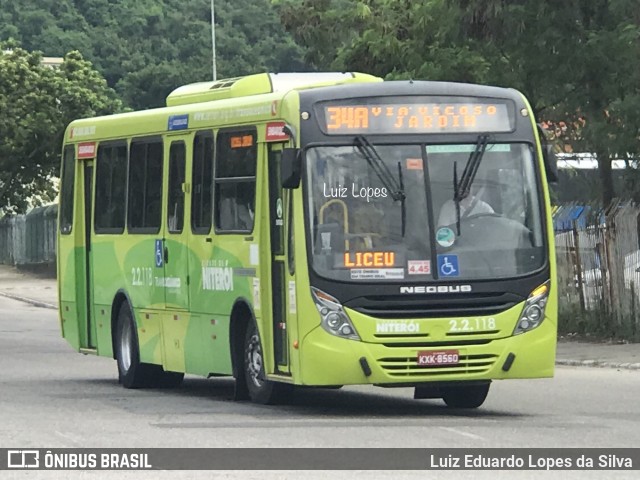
[469, 206]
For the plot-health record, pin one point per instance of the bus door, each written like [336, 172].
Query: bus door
[279, 275]
[173, 250]
[87, 183]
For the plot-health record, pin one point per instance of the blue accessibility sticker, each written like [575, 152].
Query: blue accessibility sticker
[448, 266]
[159, 254]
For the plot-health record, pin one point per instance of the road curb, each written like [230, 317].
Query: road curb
[598, 363]
[35, 303]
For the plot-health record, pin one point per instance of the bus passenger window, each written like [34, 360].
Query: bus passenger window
[66, 190]
[110, 191]
[235, 181]
[202, 180]
[145, 187]
[175, 207]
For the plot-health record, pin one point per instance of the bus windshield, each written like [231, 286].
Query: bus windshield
[361, 231]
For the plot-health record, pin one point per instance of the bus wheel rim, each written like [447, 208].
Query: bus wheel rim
[125, 347]
[254, 360]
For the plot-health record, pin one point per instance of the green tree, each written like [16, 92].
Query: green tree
[390, 38]
[146, 48]
[577, 61]
[37, 103]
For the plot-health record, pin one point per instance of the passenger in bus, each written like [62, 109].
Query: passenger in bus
[369, 227]
[236, 209]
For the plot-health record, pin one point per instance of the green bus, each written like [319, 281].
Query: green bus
[313, 229]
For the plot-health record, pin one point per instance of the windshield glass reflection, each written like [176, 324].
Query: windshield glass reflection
[359, 232]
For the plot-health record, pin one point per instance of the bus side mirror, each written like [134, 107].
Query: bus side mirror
[290, 168]
[550, 162]
[548, 156]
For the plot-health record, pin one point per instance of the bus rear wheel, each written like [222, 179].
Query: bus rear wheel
[132, 373]
[465, 396]
[261, 390]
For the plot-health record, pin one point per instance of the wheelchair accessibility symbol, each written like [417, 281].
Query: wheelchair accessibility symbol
[448, 266]
[159, 253]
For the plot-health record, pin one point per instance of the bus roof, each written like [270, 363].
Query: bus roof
[412, 87]
[261, 83]
[249, 98]
[258, 98]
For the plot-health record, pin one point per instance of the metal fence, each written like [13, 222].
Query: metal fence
[598, 257]
[29, 240]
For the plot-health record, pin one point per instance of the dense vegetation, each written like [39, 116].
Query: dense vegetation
[143, 48]
[37, 103]
[578, 61]
[146, 48]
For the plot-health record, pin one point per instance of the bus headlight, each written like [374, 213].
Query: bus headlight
[533, 312]
[333, 318]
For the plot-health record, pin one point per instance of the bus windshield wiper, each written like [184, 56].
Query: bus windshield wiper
[394, 186]
[462, 189]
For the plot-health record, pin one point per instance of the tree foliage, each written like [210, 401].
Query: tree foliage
[578, 61]
[389, 38]
[37, 103]
[146, 48]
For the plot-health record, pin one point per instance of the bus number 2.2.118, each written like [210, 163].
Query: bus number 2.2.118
[142, 276]
[472, 325]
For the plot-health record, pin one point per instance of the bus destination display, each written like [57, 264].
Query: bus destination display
[423, 117]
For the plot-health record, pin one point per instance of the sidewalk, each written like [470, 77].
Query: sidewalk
[588, 354]
[42, 292]
[38, 290]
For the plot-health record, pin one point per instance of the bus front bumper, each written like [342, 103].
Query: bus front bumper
[329, 360]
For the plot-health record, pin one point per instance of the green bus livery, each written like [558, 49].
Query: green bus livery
[313, 229]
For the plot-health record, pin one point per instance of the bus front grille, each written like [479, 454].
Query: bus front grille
[444, 306]
[434, 344]
[404, 367]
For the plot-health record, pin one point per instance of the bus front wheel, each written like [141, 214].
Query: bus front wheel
[261, 390]
[465, 396]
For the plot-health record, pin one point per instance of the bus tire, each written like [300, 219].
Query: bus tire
[261, 390]
[131, 372]
[465, 396]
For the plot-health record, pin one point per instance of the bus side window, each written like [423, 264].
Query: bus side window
[145, 186]
[202, 181]
[66, 190]
[110, 190]
[175, 207]
[235, 181]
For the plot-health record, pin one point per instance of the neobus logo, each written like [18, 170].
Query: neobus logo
[436, 289]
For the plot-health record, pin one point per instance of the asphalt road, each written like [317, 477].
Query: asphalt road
[52, 397]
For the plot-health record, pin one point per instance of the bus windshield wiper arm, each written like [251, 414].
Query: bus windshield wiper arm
[462, 189]
[393, 185]
[381, 170]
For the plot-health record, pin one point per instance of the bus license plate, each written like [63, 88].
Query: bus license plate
[438, 358]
